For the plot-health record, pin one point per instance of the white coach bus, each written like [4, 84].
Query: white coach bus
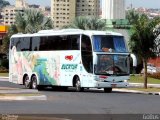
[69, 58]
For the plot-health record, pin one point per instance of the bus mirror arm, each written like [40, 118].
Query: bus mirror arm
[134, 60]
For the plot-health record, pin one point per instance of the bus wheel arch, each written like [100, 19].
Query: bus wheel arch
[77, 83]
[34, 82]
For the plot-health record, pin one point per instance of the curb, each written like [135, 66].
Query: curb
[137, 92]
[11, 98]
[133, 85]
[1, 77]
[18, 91]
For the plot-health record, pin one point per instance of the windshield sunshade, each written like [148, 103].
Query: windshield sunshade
[104, 43]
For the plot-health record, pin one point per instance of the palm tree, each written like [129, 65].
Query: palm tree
[142, 41]
[132, 16]
[3, 3]
[88, 23]
[31, 21]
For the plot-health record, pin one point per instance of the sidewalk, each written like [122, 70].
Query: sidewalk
[133, 85]
[12, 93]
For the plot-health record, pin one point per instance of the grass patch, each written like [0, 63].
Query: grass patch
[139, 79]
[4, 74]
[146, 90]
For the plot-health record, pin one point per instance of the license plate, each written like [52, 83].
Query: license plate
[113, 85]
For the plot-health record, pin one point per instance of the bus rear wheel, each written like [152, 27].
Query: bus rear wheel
[34, 82]
[107, 90]
[27, 82]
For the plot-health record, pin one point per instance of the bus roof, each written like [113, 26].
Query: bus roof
[67, 32]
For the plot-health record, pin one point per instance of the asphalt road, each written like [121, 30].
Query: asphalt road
[88, 102]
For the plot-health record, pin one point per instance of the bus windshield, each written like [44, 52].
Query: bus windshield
[106, 43]
[112, 64]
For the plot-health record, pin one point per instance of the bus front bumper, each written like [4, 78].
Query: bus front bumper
[111, 84]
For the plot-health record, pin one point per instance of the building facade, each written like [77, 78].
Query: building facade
[113, 9]
[8, 14]
[87, 8]
[63, 12]
[21, 4]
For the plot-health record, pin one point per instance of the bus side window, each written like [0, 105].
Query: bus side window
[35, 43]
[86, 43]
[17, 44]
[25, 44]
[86, 50]
[12, 43]
[75, 42]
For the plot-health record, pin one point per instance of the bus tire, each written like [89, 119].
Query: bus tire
[107, 90]
[78, 85]
[27, 83]
[34, 82]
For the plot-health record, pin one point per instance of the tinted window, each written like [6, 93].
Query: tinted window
[70, 42]
[87, 58]
[35, 43]
[86, 43]
[25, 44]
[21, 44]
[47, 43]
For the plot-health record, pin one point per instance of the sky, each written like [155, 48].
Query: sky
[136, 3]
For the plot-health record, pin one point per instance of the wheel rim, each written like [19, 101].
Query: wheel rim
[26, 82]
[78, 85]
[34, 83]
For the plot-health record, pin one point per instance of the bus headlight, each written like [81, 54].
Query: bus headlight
[125, 80]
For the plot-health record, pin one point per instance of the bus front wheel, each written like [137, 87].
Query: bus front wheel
[34, 82]
[78, 85]
[107, 90]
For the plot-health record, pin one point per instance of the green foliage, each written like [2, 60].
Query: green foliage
[3, 3]
[142, 40]
[132, 16]
[140, 79]
[5, 63]
[4, 48]
[31, 21]
[88, 23]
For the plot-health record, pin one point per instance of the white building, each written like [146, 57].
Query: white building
[113, 9]
[21, 4]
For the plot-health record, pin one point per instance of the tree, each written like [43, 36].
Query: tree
[5, 46]
[142, 41]
[31, 21]
[88, 23]
[157, 33]
[132, 16]
[3, 3]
